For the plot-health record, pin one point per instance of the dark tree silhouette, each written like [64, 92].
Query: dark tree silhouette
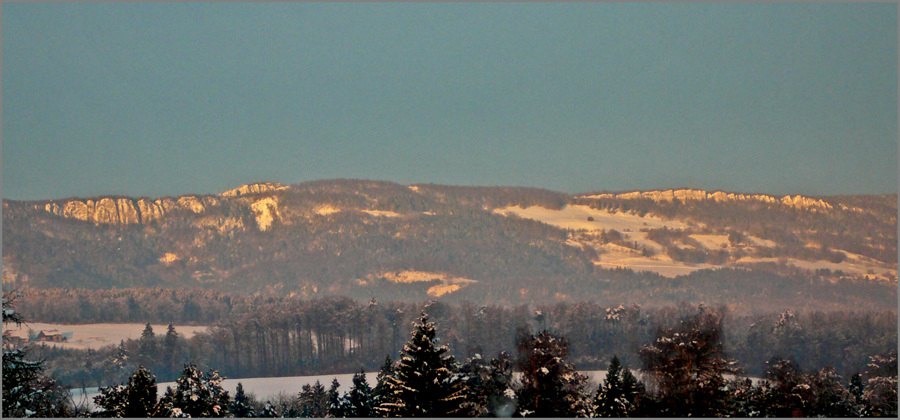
[687, 362]
[551, 387]
[421, 380]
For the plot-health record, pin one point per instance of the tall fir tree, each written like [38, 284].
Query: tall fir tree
[359, 399]
[195, 394]
[336, 405]
[27, 392]
[422, 379]
[381, 394]
[170, 350]
[313, 401]
[137, 399]
[618, 395]
[687, 362]
[148, 347]
[488, 386]
[551, 387]
[240, 404]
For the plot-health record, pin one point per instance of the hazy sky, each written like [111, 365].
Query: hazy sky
[167, 99]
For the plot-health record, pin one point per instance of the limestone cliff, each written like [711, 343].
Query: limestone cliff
[255, 188]
[798, 201]
[124, 211]
[266, 211]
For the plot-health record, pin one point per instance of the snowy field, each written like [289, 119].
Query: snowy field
[612, 256]
[95, 336]
[575, 217]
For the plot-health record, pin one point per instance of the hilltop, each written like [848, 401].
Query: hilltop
[484, 244]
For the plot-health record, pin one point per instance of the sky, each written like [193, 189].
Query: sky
[164, 99]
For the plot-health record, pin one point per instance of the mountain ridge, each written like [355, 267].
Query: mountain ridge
[356, 237]
[118, 209]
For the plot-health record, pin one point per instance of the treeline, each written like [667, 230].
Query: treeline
[743, 291]
[331, 335]
[684, 365]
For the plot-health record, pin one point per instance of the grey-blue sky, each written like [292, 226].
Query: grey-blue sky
[167, 99]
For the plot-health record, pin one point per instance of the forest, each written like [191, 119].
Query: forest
[832, 364]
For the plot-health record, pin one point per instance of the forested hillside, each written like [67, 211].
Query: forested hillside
[505, 245]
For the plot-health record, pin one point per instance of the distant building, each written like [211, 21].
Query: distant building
[53, 336]
[12, 341]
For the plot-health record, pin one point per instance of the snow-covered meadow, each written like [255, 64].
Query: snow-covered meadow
[95, 336]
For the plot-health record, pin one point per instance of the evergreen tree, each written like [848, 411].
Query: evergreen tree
[112, 401]
[880, 394]
[170, 346]
[785, 391]
[313, 401]
[856, 387]
[196, 395]
[335, 402]
[119, 364]
[135, 400]
[551, 387]
[618, 395]
[147, 346]
[829, 397]
[359, 400]
[381, 393]
[488, 386]
[26, 391]
[687, 362]
[141, 394]
[421, 380]
[268, 411]
[240, 405]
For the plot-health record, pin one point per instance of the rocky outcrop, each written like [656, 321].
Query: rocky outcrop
[798, 201]
[104, 210]
[256, 188]
[191, 203]
[125, 211]
[150, 210]
[266, 211]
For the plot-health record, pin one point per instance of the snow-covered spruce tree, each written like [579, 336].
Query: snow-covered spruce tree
[240, 405]
[359, 399]
[880, 394]
[135, 400]
[786, 392]
[421, 383]
[488, 386]
[551, 387]
[381, 394]
[618, 395]
[26, 391]
[268, 412]
[313, 401]
[336, 404]
[687, 362]
[196, 395]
